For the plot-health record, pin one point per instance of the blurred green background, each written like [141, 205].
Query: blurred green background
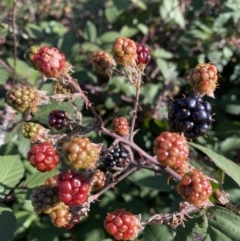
[180, 34]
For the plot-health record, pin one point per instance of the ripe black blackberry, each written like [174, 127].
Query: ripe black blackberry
[58, 119]
[117, 157]
[191, 116]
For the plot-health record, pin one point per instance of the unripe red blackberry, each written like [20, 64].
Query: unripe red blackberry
[62, 88]
[194, 187]
[44, 198]
[81, 153]
[34, 131]
[124, 51]
[171, 149]
[58, 119]
[203, 79]
[23, 98]
[49, 61]
[43, 156]
[103, 62]
[61, 216]
[143, 56]
[120, 126]
[122, 225]
[73, 187]
[191, 116]
[117, 158]
[98, 180]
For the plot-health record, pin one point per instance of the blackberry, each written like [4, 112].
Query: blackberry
[143, 56]
[117, 157]
[58, 119]
[191, 116]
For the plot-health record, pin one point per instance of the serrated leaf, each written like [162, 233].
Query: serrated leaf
[11, 172]
[90, 31]
[229, 167]
[217, 223]
[38, 178]
[7, 223]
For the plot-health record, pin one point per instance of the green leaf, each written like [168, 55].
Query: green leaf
[24, 70]
[24, 221]
[128, 31]
[143, 28]
[229, 167]
[112, 12]
[4, 75]
[24, 145]
[90, 31]
[121, 5]
[140, 4]
[170, 11]
[7, 223]
[217, 223]
[231, 143]
[11, 172]
[157, 233]
[147, 178]
[162, 54]
[37, 179]
[109, 37]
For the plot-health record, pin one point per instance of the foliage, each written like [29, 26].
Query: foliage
[180, 34]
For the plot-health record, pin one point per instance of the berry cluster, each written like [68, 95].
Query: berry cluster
[194, 187]
[43, 156]
[98, 180]
[61, 216]
[117, 157]
[103, 62]
[203, 79]
[48, 60]
[191, 116]
[23, 98]
[172, 150]
[58, 119]
[120, 126]
[73, 187]
[143, 55]
[62, 88]
[81, 153]
[125, 51]
[121, 224]
[44, 198]
[33, 131]
[59, 194]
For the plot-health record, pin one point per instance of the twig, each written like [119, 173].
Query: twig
[134, 112]
[112, 184]
[141, 152]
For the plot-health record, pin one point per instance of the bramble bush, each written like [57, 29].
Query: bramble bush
[119, 120]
